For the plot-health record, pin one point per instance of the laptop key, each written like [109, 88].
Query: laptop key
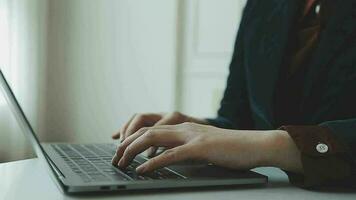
[93, 162]
[140, 177]
[119, 177]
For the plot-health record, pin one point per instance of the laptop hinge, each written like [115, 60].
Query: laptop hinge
[55, 168]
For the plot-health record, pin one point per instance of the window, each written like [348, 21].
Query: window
[4, 40]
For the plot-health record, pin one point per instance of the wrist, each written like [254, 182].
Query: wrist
[198, 120]
[282, 152]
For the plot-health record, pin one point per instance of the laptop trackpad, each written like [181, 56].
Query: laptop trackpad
[207, 171]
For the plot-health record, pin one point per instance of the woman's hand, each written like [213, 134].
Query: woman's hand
[138, 121]
[228, 148]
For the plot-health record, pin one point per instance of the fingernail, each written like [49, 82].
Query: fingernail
[114, 159]
[148, 153]
[140, 169]
[121, 162]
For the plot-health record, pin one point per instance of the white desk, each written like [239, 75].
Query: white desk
[28, 180]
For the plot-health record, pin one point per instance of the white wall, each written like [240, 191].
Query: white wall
[23, 41]
[210, 28]
[107, 60]
[81, 68]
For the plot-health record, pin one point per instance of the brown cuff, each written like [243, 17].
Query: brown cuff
[323, 157]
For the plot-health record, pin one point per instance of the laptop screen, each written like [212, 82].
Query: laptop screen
[20, 116]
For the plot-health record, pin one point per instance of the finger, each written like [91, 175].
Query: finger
[158, 138]
[140, 121]
[122, 146]
[171, 156]
[121, 133]
[151, 152]
[170, 119]
[157, 151]
[123, 129]
[167, 120]
[163, 123]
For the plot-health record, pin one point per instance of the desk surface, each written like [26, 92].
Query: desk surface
[28, 179]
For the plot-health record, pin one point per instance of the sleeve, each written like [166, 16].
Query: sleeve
[234, 112]
[328, 153]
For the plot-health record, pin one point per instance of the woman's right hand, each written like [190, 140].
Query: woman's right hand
[138, 121]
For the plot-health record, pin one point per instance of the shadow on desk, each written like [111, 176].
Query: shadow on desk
[17, 182]
[180, 190]
[336, 190]
[141, 193]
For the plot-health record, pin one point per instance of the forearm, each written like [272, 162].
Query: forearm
[246, 149]
[332, 165]
[282, 152]
[198, 120]
[296, 152]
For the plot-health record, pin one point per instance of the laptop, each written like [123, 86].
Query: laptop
[83, 168]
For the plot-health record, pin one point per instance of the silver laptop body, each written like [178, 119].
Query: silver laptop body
[81, 168]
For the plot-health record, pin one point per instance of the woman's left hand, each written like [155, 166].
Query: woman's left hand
[228, 148]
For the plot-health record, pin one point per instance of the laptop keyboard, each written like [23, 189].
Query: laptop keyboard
[92, 162]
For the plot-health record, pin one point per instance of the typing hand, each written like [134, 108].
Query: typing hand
[190, 141]
[139, 121]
